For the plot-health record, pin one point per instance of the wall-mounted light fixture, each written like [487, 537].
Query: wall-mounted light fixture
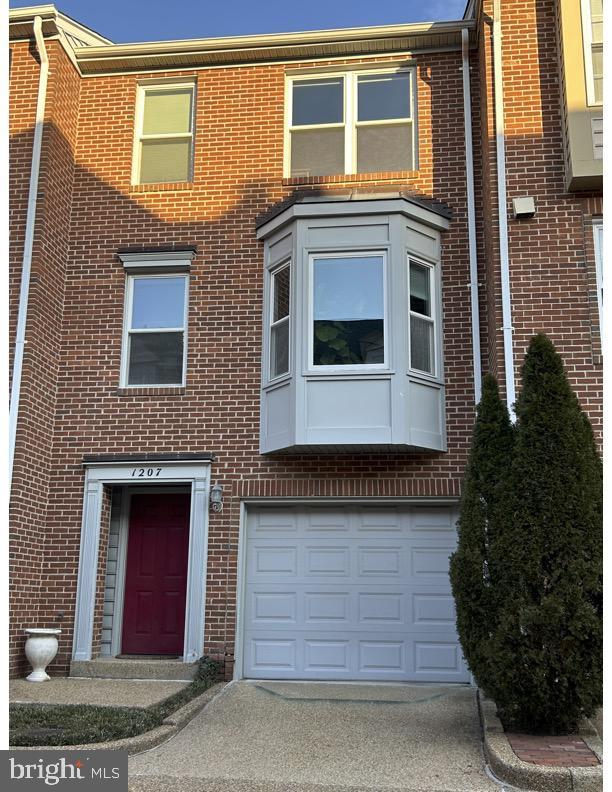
[216, 497]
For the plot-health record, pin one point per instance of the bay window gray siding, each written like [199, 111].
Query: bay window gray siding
[363, 327]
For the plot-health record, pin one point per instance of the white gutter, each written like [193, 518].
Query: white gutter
[471, 213]
[502, 210]
[28, 243]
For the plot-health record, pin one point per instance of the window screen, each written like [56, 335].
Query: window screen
[317, 127]
[422, 326]
[279, 321]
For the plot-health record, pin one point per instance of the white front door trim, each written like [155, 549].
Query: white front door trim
[98, 474]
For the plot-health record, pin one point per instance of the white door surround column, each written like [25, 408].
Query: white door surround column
[144, 471]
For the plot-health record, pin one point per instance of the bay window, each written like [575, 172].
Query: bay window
[352, 325]
[356, 122]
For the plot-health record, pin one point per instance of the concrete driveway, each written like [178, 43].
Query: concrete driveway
[324, 737]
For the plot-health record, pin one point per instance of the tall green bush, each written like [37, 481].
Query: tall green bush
[546, 559]
[469, 567]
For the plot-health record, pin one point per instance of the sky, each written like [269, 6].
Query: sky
[158, 20]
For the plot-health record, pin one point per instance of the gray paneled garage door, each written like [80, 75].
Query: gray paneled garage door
[350, 593]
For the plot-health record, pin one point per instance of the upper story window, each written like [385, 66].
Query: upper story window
[351, 123]
[422, 318]
[352, 341]
[280, 288]
[348, 310]
[592, 31]
[163, 149]
[154, 340]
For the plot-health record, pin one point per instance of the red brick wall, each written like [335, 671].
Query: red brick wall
[31, 480]
[551, 255]
[238, 174]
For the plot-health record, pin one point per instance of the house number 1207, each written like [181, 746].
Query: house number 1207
[146, 472]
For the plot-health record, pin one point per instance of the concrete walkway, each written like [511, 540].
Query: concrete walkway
[272, 737]
[101, 692]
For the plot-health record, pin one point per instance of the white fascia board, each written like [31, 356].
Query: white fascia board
[353, 208]
[272, 39]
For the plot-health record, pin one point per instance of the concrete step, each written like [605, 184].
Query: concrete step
[142, 668]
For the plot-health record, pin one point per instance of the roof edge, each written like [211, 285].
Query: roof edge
[24, 17]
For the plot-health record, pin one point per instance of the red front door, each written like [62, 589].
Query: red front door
[156, 574]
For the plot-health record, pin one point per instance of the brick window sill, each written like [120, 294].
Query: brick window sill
[351, 178]
[161, 187]
[161, 391]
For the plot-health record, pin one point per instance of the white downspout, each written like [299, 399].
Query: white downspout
[28, 243]
[471, 213]
[503, 216]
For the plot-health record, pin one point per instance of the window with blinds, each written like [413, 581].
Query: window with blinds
[592, 30]
[356, 122]
[164, 134]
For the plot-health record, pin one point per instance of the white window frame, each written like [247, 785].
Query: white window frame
[354, 368]
[434, 296]
[587, 41]
[142, 90]
[128, 331]
[350, 123]
[272, 273]
[598, 245]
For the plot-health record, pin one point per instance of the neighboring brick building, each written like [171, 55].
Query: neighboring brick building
[242, 256]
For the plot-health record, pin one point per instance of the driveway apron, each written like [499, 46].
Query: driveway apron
[282, 735]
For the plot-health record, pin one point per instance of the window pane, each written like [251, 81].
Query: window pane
[318, 101]
[158, 302]
[384, 148]
[156, 359]
[381, 96]
[167, 111]
[598, 89]
[348, 311]
[165, 161]
[281, 287]
[597, 32]
[279, 349]
[596, 8]
[420, 296]
[317, 152]
[421, 344]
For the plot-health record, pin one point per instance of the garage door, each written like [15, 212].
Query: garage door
[350, 593]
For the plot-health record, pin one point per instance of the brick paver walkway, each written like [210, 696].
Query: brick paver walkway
[563, 751]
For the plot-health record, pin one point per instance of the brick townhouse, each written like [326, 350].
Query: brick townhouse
[255, 282]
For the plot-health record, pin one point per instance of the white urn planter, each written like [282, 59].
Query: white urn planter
[41, 648]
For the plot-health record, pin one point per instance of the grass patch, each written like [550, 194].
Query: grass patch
[73, 724]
